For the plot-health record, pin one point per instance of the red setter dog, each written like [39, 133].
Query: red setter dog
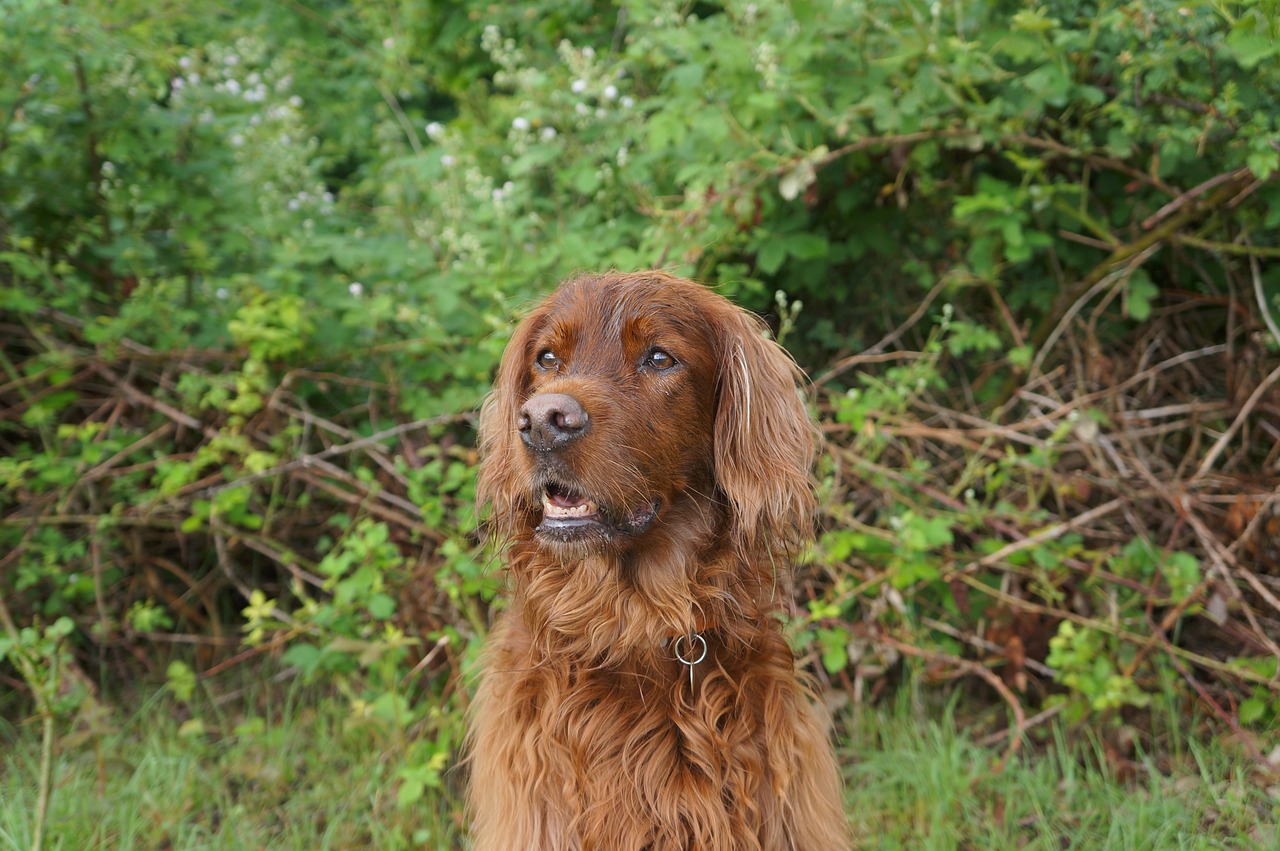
[646, 454]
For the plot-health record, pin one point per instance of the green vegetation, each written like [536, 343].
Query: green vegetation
[250, 775]
[258, 260]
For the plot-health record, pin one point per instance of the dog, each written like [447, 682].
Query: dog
[646, 455]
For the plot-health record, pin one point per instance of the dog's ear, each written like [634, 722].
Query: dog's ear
[764, 437]
[499, 483]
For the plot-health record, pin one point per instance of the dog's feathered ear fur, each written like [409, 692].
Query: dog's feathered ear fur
[764, 437]
[499, 484]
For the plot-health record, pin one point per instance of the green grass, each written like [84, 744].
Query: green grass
[294, 772]
[921, 784]
[291, 774]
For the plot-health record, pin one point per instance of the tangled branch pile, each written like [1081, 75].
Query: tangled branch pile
[1116, 516]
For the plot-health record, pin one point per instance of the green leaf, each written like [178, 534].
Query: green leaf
[382, 606]
[1252, 710]
[688, 76]
[410, 792]
[181, 680]
[1263, 162]
[304, 657]
[1141, 292]
[1251, 49]
[835, 654]
[771, 255]
[807, 246]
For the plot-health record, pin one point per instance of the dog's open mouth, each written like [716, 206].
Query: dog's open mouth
[562, 505]
[569, 515]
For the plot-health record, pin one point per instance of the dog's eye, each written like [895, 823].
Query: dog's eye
[548, 360]
[659, 360]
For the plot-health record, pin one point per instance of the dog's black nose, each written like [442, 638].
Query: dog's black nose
[549, 421]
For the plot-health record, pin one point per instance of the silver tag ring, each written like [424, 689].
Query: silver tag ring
[675, 648]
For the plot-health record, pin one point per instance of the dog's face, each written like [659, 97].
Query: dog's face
[615, 385]
[633, 407]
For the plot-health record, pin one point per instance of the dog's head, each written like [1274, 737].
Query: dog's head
[632, 404]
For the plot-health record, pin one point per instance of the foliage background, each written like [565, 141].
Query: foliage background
[259, 260]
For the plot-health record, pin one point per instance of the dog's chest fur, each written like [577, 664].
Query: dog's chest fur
[633, 751]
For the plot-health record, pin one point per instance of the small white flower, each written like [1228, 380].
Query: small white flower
[193, 79]
[520, 123]
[184, 62]
[610, 92]
[231, 59]
[447, 160]
[237, 140]
[295, 101]
[221, 292]
[356, 288]
[497, 194]
[435, 130]
[177, 83]
[588, 52]
[548, 133]
[578, 86]
[628, 101]
[108, 168]
[388, 43]
[581, 108]
[294, 204]
[233, 86]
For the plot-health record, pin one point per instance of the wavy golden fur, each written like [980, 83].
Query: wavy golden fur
[646, 455]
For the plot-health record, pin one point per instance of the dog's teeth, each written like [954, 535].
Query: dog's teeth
[550, 509]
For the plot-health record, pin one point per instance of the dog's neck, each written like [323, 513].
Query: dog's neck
[598, 612]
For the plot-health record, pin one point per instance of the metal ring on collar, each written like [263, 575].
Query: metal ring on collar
[675, 648]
